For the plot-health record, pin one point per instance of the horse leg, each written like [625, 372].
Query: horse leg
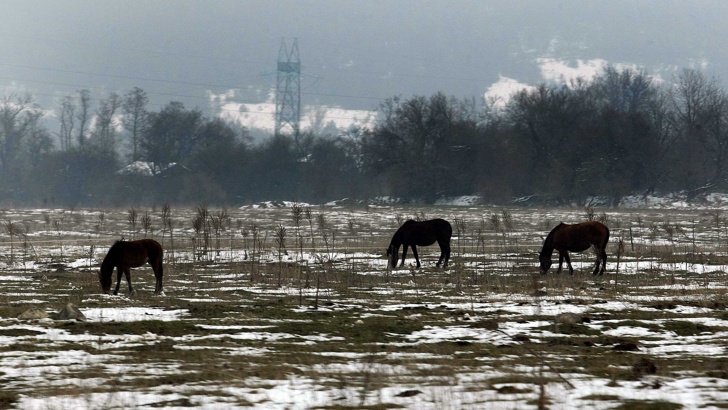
[604, 259]
[404, 253]
[596, 264]
[417, 258]
[119, 272]
[561, 261]
[447, 255]
[158, 273]
[127, 273]
[444, 255]
[568, 262]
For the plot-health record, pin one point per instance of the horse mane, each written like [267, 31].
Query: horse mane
[107, 264]
[114, 248]
[397, 237]
[549, 241]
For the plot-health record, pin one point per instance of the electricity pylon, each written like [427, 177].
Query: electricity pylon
[288, 89]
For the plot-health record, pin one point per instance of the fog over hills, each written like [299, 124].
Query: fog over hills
[221, 56]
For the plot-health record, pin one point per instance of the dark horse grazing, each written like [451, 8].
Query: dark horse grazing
[124, 255]
[575, 238]
[424, 233]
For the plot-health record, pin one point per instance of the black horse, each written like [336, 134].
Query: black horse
[422, 233]
[575, 238]
[124, 255]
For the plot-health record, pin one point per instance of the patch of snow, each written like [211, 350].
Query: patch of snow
[132, 314]
[144, 168]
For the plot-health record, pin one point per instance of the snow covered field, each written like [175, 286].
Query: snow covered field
[264, 310]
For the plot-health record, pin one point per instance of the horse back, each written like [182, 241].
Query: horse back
[424, 233]
[153, 249]
[136, 253]
[580, 237]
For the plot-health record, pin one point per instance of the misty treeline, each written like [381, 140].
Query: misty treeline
[618, 134]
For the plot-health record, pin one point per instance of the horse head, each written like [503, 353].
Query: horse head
[545, 260]
[106, 272]
[105, 278]
[392, 256]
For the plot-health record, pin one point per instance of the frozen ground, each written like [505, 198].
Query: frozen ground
[321, 323]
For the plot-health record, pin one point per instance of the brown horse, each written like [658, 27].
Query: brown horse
[575, 238]
[124, 255]
[422, 233]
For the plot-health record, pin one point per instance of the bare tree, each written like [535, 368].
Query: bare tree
[67, 120]
[83, 116]
[173, 134]
[701, 117]
[104, 128]
[18, 116]
[134, 120]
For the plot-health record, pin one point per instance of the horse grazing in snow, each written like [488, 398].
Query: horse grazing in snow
[124, 255]
[420, 233]
[579, 237]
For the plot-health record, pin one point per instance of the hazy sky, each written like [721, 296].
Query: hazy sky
[353, 53]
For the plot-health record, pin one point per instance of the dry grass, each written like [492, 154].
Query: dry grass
[329, 318]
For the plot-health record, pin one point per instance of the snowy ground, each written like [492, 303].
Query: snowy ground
[244, 324]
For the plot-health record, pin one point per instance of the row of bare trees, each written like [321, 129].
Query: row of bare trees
[620, 133]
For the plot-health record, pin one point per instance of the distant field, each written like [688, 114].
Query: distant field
[269, 307]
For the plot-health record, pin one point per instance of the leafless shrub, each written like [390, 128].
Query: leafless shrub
[13, 230]
[297, 214]
[280, 238]
[100, 226]
[603, 218]
[507, 220]
[167, 225]
[495, 223]
[166, 218]
[201, 225]
[460, 228]
[132, 217]
[219, 222]
[654, 231]
[254, 257]
[58, 226]
[321, 220]
[309, 217]
[717, 218]
[480, 236]
[146, 223]
[669, 229]
[590, 213]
